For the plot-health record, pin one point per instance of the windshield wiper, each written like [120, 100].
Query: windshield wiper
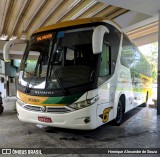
[56, 73]
[60, 81]
[27, 90]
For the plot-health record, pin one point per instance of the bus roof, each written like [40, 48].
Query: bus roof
[73, 23]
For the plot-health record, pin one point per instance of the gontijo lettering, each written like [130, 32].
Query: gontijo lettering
[44, 37]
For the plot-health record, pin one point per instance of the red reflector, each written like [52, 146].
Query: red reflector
[45, 119]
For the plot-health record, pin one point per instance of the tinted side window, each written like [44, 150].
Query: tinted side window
[127, 54]
[132, 58]
[140, 64]
[105, 60]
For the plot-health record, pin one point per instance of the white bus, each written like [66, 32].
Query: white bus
[80, 74]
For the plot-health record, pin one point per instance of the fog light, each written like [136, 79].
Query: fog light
[87, 120]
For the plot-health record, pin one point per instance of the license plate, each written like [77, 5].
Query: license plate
[45, 119]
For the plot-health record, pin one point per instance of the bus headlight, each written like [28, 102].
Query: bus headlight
[20, 102]
[83, 104]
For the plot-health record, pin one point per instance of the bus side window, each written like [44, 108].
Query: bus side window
[105, 61]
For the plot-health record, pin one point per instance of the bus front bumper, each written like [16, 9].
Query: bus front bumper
[83, 119]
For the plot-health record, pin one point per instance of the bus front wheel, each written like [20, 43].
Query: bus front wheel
[118, 119]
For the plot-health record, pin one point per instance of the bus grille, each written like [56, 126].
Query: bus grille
[48, 109]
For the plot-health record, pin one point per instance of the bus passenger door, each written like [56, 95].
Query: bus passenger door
[104, 108]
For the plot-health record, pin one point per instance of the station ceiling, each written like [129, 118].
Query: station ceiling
[20, 18]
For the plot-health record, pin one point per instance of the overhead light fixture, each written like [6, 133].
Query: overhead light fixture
[13, 37]
[84, 9]
[4, 37]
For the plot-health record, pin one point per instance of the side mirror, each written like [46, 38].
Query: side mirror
[97, 38]
[8, 45]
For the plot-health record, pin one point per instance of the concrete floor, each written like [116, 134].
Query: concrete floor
[140, 129]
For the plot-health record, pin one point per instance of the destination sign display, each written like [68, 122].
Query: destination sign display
[44, 37]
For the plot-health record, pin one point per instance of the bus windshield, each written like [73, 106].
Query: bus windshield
[73, 61]
[63, 61]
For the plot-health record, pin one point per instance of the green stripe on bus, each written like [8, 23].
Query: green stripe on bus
[63, 99]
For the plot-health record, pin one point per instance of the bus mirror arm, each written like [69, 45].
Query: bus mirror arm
[8, 45]
[97, 38]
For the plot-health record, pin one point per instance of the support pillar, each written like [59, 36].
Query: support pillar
[158, 77]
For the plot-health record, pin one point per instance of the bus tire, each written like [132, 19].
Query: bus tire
[118, 119]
